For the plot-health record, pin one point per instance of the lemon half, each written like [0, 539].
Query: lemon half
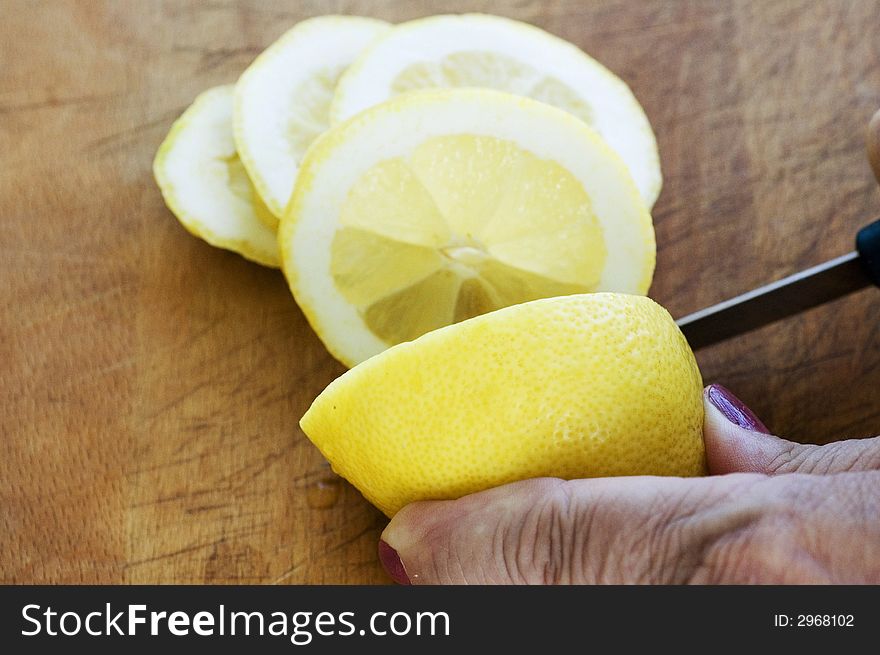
[476, 50]
[581, 386]
[282, 100]
[441, 205]
[205, 184]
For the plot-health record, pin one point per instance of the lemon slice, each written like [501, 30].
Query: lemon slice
[581, 386]
[205, 184]
[440, 205]
[282, 100]
[488, 51]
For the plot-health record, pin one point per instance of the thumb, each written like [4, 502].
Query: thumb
[737, 441]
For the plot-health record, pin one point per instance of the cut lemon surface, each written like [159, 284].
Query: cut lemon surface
[282, 100]
[205, 184]
[441, 205]
[580, 386]
[489, 51]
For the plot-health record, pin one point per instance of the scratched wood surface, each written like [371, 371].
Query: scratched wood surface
[151, 385]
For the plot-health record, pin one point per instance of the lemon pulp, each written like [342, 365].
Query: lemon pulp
[465, 225]
[492, 70]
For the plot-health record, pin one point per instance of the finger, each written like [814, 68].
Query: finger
[607, 530]
[737, 441]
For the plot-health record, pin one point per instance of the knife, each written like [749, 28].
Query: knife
[799, 292]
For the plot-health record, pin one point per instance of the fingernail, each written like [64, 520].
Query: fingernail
[391, 561]
[734, 409]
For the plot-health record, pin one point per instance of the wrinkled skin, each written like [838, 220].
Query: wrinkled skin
[772, 512]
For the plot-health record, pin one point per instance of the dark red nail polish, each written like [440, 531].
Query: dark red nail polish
[393, 566]
[734, 409]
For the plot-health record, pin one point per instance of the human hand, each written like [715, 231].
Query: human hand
[772, 512]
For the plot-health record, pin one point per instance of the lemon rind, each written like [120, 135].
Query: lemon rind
[323, 429]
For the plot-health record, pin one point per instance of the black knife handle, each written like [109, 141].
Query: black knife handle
[868, 245]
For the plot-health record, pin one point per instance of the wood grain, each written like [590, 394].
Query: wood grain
[151, 385]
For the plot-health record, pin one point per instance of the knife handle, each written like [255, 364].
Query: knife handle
[868, 239]
[874, 144]
[868, 245]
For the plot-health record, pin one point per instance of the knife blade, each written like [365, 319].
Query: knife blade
[791, 295]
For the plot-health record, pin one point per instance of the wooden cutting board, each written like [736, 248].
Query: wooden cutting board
[151, 385]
